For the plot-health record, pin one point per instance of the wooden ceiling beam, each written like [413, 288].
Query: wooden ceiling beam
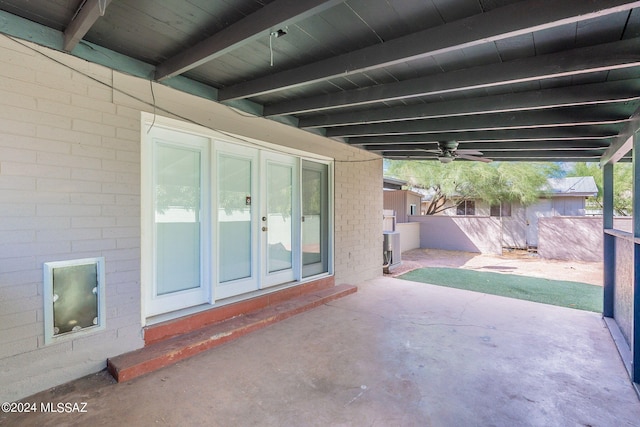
[497, 146]
[589, 94]
[583, 159]
[82, 22]
[591, 116]
[530, 155]
[498, 24]
[259, 24]
[624, 142]
[518, 135]
[591, 59]
[490, 137]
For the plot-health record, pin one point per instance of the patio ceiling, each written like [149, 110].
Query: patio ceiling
[518, 80]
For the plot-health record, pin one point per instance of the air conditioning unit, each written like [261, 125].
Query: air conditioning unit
[391, 254]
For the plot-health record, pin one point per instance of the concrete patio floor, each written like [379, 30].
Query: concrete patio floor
[396, 353]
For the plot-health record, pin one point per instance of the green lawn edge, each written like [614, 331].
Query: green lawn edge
[581, 296]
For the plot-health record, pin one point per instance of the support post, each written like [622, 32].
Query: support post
[609, 255]
[635, 345]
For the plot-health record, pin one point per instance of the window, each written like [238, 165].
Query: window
[466, 207]
[413, 209]
[503, 209]
[315, 218]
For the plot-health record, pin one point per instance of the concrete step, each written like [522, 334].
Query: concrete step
[192, 322]
[169, 351]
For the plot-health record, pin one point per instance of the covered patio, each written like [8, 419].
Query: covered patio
[395, 353]
[345, 83]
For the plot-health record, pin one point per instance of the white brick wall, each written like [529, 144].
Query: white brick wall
[70, 188]
[358, 220]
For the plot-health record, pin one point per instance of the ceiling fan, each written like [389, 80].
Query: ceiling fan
[448, 151]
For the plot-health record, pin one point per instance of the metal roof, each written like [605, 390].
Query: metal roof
[517, 80]
[573, 186]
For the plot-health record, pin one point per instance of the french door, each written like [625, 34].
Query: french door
[178, 227]
[257, 223]
[237, 220]
[280, 220]
[225, 219]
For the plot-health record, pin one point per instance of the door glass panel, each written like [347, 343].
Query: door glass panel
[314, 218]
[177, 219]
[234, 217]
[279, 221]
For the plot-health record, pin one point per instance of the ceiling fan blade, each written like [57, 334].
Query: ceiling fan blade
[470, 152]
[475, 158]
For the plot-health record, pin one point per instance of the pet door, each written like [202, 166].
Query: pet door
[73, 298]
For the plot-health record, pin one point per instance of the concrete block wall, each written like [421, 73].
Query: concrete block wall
[70, 188]
[577, 238]
[409, 235]
[460, 233]
[358, 220]
[570, 238]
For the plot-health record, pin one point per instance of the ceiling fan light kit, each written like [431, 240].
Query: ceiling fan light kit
[446, 157]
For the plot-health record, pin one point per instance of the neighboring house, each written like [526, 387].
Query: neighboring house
[563, 197]
[403, 202]
[393, 183]
[171, 195]
[399, 205]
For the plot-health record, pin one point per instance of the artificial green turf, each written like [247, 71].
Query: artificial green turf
[556, 292]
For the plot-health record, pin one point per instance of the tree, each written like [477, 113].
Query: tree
[622, 184]
[494, 183]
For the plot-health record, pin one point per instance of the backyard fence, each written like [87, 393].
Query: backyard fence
[565, 238]
[460, 233]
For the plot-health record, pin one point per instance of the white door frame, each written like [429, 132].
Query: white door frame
[250, 283]
[288, 274]
[158, 304]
